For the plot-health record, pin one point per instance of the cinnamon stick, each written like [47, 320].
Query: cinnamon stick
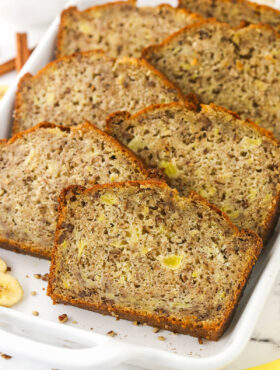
[22, 50]
[10, 65]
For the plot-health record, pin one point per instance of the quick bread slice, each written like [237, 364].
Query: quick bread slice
[234, 11]
[233, 163]
[37, 164]
[120, 29]
[147, 254]
[88, 86]
[235, 68]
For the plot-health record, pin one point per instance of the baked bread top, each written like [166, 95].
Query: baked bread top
[233, 163]
[36, 164]
[88, 86]
[234, 11]
[235, 68]
[147, 254]
[120, 29]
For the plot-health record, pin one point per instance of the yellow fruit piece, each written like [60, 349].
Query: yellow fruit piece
[3, 266]
[261, 85]
[209, 191]
[85, 28]
[185, 66]
[248, 142]
[66, 284]
[114, 177]
[145, 250]
[81, 247]
[101, 217]
[274, 365]
[194, 274]
[135, 233]
[230, 211]
[170, 169]
[50, 97]
[10, 290]
[135, 144]
[53, 131]
[64, 244]
[108, 199]
[173, 261]
[223, 295]
[252, 194]
[267, 198]
[236, 38]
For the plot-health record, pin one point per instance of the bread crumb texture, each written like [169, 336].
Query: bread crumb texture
[120, 29]
[236, 68]
[232, 163]
[88, 86]
[121, 269]
[36, 165]
[234, 12]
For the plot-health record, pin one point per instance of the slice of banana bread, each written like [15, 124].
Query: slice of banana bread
[234, 11]
[36, 164]
[146, 254]
[120, 29]
[233, 163]
[235, 68]
[88, 86]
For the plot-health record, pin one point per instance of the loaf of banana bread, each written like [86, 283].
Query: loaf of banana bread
[233, 163]
[234, 11]
[138, 251]
[88, 86]
[235, 68]
[120, 29]
[36, 164]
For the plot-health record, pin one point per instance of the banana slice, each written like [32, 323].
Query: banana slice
[3, 266]
[10, 290]
[3, 89]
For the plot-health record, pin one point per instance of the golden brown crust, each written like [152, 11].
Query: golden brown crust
[272, 216]
[18, 99]
[29, 249]
[22, 248]
[255, 6]
[197, 25]
[211, 331]
[74, 9]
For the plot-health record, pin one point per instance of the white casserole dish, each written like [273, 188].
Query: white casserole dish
[74, 345]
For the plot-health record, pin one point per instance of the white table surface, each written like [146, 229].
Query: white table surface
[264, 345]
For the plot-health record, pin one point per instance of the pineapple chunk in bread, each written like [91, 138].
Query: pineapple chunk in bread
[236, 68]
[146, 254]
[234, 11]
[120, 29]
[233, 163]
[37, 164]
[88, 86]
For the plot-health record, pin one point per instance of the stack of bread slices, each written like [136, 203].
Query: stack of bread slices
[128, 170]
